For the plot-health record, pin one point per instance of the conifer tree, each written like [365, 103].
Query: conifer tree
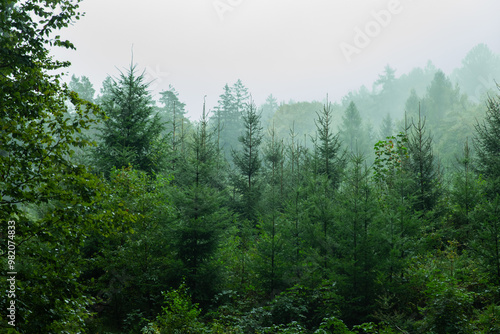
[227, 121]
[248, 163]
[356, 240]
[105, 91]
[486, 244]
[270, 247]
[464, 195]
[240, 97]
[412, 105]
[487, 144]
[295, 157]
[387, 127]
[480, 67]
[440, 98]
[201, 215]
[330, 159]
[172, 112]
[269, 108]
[386, 88]
[395, 201]
[128, 135]
[423, 167]
[351, 132]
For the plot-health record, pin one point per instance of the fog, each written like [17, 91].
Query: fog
[292, 49]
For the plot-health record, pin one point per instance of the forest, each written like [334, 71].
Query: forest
[379, 213]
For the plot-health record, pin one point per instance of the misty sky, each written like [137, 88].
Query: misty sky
[289, 48]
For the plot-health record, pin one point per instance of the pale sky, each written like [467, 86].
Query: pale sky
[290, 48]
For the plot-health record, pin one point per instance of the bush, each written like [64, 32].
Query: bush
[179, 315]
[332, 325]
[449, 308]
[489, 320]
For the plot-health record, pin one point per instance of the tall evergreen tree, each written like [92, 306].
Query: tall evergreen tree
[412, 106]
[270, 246]
[423, 167]
[464, 195]
[105, 93]
[356, 241]
[227, 120]
[480, 67]
[172, 112]
[240, 97]
[330, 159]
[440, 98]
[201, 215]
[396, 186]
[128, 135]
[486, 244]
[268, 109]
[294, 203]
[386, 89]
[387, 79]
[351, 132]
[487, 144]
[387, 127]
[248, 163]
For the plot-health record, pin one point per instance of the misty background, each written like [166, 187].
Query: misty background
[291, 49]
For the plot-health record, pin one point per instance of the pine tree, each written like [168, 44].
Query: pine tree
[423, 167]
[270, 246]
[412, 105]
[356, 238]
[396, 186]
[440, 98]
[387, 79]
[293, 197]
[201, 216]
[351, 132]
[487, 144]
[248, 163]
[330, 159]
[268, 109]
[480, 67]
[240, 97]
[128, 134]
[172, 112]
[227, 122]
[486, 244]
[386, 89]
[464, 195]
[387, 127]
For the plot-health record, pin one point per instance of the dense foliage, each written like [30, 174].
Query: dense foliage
[377, 214]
